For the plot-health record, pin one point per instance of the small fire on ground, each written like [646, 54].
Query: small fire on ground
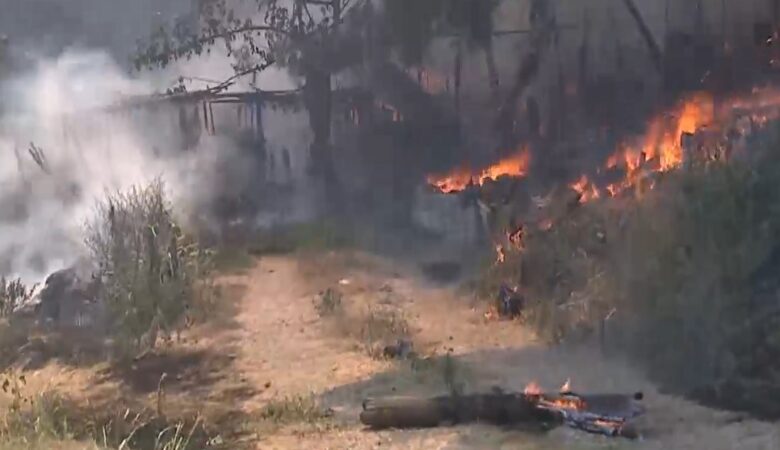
[515, 165]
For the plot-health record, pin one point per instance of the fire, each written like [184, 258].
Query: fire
[533, 389]
[660, 149]
[516, 237]
[566, 388]
[586, 189]
[500, 255]
[459, 179]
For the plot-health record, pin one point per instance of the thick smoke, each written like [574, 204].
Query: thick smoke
[64, 144]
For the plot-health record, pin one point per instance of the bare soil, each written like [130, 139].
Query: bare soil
[270, 344]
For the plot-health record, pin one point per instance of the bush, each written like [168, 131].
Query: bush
[13, 294]
[152, 273]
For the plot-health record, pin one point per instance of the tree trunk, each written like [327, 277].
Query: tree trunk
[490, 61]
[458, 73]
[318, 101]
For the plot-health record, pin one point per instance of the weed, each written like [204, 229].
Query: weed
[379, 327]
[329, 302]
[292, 410]
[13, 294]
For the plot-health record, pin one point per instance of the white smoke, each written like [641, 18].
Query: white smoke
[62, 147]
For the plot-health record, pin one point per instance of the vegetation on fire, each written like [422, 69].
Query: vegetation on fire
[679, 278]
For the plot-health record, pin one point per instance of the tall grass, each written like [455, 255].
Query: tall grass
[152, 273]
[47, 420]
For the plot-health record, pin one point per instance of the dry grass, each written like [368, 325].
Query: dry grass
[293, 410]
[48, 420]
[329, 303]
[375, 328]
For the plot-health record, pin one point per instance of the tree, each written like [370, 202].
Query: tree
[302, 35]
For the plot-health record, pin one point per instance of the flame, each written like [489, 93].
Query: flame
[459, 179]
[516, 237]
[533, 389]
[566, 388]
[500, 255]
[585, 189]
[660, 148]
[491, 313]
[571, 402]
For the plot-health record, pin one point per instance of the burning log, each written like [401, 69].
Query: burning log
[609, 414]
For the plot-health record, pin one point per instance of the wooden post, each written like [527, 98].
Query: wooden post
[647, 35]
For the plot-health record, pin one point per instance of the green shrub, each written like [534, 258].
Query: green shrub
[152, 273]
[13, 293]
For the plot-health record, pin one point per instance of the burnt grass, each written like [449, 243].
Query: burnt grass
[688, 274]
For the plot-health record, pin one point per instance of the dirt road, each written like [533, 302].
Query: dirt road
[287, 349]
[273, 347]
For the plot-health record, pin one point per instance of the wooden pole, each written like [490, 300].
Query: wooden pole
[647, 35]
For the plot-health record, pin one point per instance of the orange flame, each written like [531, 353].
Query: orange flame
[515, 165]
[660, 149]
[516, 237]
[500, 255]
[532, 388]
[586, 189]
[566, 388]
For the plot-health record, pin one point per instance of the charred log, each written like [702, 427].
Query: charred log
[410, 412]
[603, 414]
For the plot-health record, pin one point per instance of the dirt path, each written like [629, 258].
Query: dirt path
[274, 346]
[286, 349]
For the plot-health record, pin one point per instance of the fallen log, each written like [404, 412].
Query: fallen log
[412, 412]
[602, 414]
